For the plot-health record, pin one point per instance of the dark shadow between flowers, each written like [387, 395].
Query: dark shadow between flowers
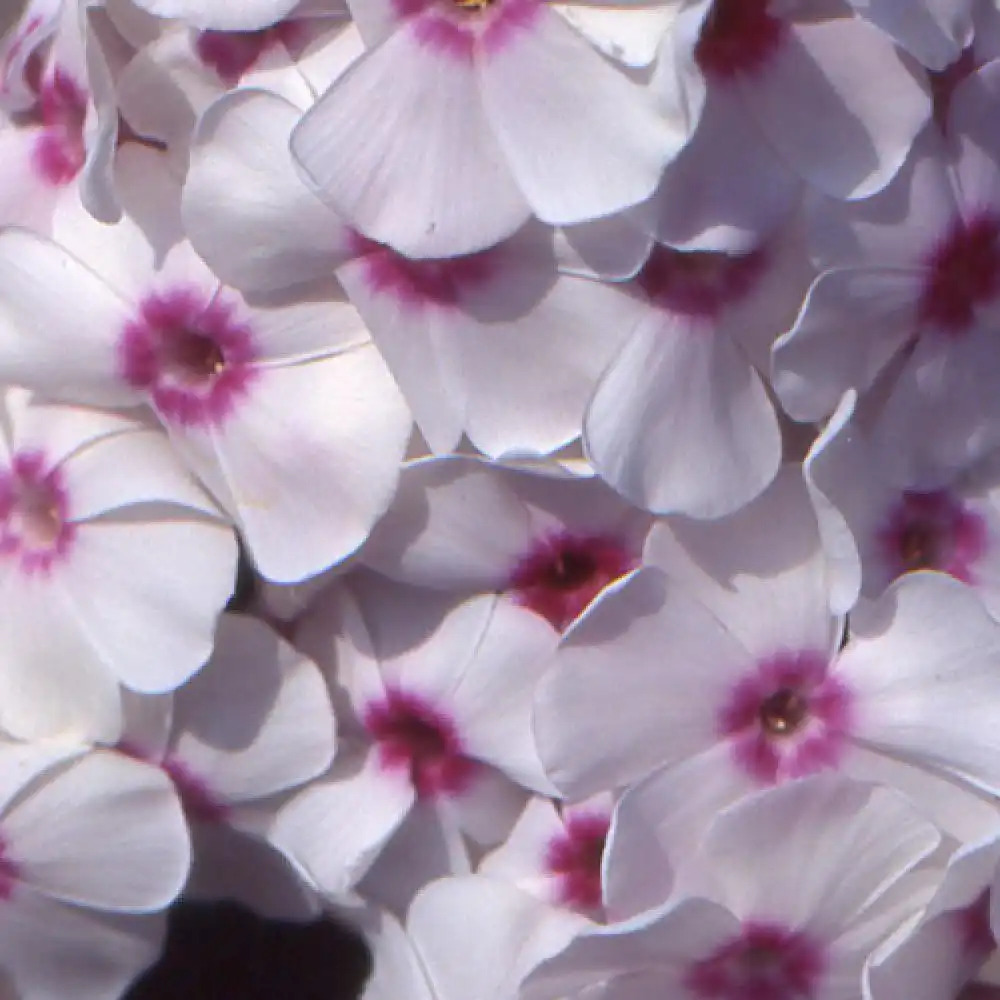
[222, 951]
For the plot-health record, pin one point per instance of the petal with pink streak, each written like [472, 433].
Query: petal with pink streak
[681, 423]
[246, 209]
[844, 124]
[422, 170]
[606, 143]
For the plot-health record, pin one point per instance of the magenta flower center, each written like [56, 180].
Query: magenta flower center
[193, 358]
[233, 53]
[738, 37]
[766, 962]
[963, 274]
[699, 283]
[574, 857]
[563, 573]
[414, 737]
[787, 719]
[33, 513]
[932, 530]
[455, 28]
[59, 152]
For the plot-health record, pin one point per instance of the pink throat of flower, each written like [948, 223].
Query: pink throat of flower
[963, 274]
[456, 28]
[766, 962]
[574, 858]
[193, 357]
[932, 530]
[231, 54]
[34, 525]
[788, 719]
[699, 284]
[59, 151]
[564, 572]
[415, 737]
[738, 37]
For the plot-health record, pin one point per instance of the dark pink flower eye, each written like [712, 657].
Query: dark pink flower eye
[414, 736]
[575, 858]
[563, 573]
[738, 36]
[766, 962]
[932, 530]
[34, 526]
[964, 274]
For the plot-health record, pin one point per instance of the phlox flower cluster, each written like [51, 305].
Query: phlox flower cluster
[519, 477]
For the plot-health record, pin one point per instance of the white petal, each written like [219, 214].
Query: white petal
[681, 423]
[317, 447]
[257, 719]
[606, 143]
[107, 832]
[245, 208]
[421, 171]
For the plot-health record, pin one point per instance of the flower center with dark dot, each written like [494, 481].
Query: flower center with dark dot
[33, 515]
[784, 712]
[192, 357]
[563, 573]
[932, 530]
[738, 37]
[415, 737]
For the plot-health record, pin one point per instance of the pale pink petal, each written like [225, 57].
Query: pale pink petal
[54, 680]
[846, 139]
[224, 15]
[853, 322]
[727, 189]
[433, 533]
[439, 189]
[245, 207]
[606, 141]
[480, 937]
[49, 949]
[256, 719]
[44, 294]
[760, 571]
[935, 31]
[607, 712]
[896, 228]
[315, 438]
[108, 832]
[923, 665]
[334, 830]
[681, 423]
[146, 592]
[830, 847]
[396, 970]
